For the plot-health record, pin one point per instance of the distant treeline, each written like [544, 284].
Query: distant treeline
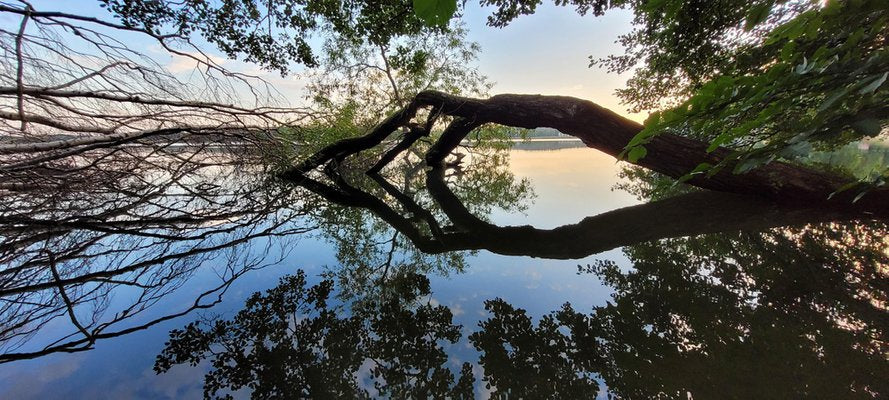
[537, 133]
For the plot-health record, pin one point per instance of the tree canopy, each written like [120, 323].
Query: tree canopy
[756, 81]
[813, 81]
[271, 33]
[768, 79]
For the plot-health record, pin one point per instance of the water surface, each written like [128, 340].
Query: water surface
[508, 277]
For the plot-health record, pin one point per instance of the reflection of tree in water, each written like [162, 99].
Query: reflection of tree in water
[779, 314]
[788, 311]
[292, 342]
[96, 257]
[370, 251]
[84, 262]
[782, 313]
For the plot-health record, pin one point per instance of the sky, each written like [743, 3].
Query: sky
[544, 53]
[549, 53]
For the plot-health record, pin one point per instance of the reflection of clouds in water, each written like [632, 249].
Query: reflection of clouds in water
[457, 309]
[365, 379]
[455, 361]
[556, 287]
[185, 382]
[29, 382]
[481, 392]
[534, 278]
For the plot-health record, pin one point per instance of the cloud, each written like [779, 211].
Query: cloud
[185, 63]
[457, 310]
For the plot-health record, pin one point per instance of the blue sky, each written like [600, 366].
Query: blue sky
[548, 53]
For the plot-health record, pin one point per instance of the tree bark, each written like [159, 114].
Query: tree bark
[605, 130]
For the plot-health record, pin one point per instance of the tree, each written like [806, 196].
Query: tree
[730, 133]
[357, 81]
[380, 78]
[770, 79]
[74, 92]
[271, 33]
[606, 131]
[293, 342]
[811, 81]
[100, 141]
[451, 220]
[755, 82]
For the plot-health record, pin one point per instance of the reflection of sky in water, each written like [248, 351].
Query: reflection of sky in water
[570, 184]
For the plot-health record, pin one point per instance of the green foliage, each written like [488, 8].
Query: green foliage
[678, 45]
[636, 153]
[647, 185]
[273, 33]
[815, 81]
[341, 123]
[380, 79]
[869, 165]
[505, 11]
[435, 12]
[302, 140]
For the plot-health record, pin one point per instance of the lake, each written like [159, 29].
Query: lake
[545, 271]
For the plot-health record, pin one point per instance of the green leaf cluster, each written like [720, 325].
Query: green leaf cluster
[435, 12]
[814, 82]
[273, 33]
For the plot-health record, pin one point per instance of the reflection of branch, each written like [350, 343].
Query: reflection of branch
[20, 67]
[690, 214]
[61, 287]
[64, 251]
[86, 343]
[130, 176]
[409, 204]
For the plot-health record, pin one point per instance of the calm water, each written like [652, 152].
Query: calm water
[512, 277]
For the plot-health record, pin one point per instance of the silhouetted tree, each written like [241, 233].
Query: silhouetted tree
[292, 342]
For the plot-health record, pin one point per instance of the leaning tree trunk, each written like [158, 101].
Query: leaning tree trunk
[601, 129]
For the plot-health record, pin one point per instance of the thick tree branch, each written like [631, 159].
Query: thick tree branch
[20, 67]
[605, 130]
